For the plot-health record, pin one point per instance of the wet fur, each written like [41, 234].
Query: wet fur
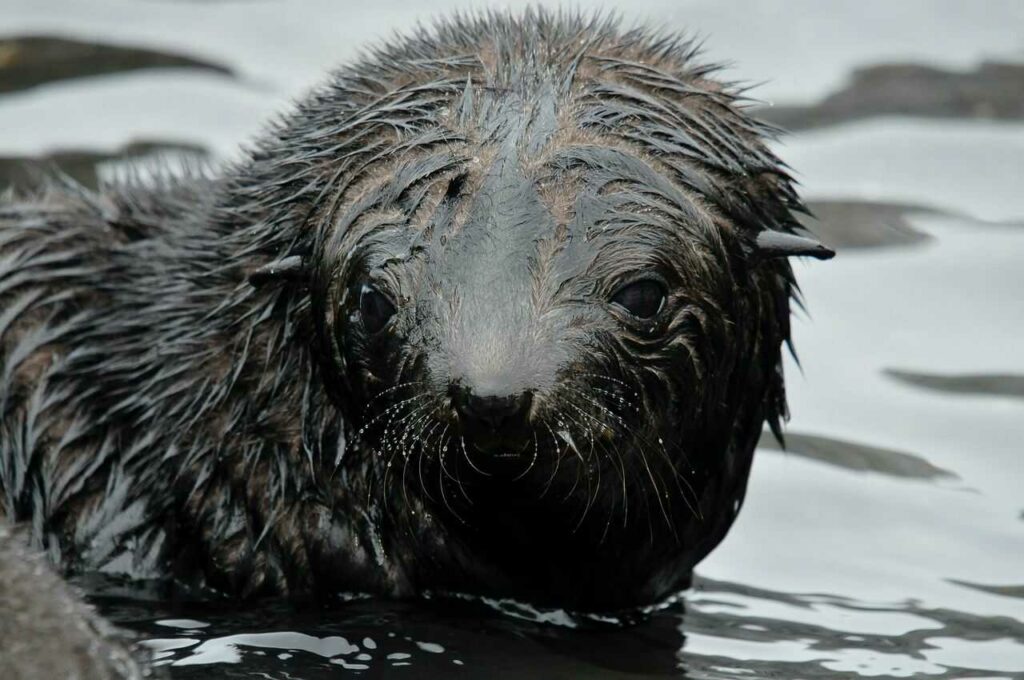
[162, 416]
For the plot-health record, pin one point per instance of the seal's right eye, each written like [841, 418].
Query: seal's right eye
[375, 308]
[643, 299]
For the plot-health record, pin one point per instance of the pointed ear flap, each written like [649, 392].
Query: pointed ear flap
[781, 244]
[288, 269]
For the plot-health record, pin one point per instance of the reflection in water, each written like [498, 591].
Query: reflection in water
[858, 457]
[829, 572]
[845, 224]
[1006, 591]
[992, 91]
[995, 385]
[29, 61]
[86, 167]
[966, 168]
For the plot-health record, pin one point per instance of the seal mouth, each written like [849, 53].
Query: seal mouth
[495, 428]
[499, 446]
[500, 457]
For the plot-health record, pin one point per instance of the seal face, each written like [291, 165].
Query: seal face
[498, 310]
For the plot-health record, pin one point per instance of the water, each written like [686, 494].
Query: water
[887, 542]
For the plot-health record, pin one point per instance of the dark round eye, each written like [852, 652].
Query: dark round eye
[643, 299]
[375, 307]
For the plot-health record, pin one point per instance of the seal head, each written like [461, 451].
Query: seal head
[550, 305]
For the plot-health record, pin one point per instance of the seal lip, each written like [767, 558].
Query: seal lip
[502, 461]
[500, 448]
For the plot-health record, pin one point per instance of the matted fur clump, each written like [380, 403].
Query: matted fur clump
[499, 309]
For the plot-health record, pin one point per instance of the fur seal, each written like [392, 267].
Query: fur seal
[498, 309]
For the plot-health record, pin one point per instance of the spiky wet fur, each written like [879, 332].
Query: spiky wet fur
[160, 415]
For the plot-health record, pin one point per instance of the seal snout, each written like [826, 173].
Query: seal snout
[493, 421]
[494, 413]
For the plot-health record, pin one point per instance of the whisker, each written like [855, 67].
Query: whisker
[558, 459]
[566, 435]
[419, 423]
[465, 454]
[592, 454]
[612, 453]
[570, 445]
[688, 494]
[386, 411]
[388, 391]
[393, 411]
[420, 456]
[532, 461]
[457, 478]
[442, 449]
[393, 446]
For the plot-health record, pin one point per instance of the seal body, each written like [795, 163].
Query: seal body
[487, 313]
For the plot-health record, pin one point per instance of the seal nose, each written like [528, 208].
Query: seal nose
[493, 413]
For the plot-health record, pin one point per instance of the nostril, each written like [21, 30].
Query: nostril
[493, 412]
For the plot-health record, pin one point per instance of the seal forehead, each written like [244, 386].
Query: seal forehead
[484, 275]
[504, 220]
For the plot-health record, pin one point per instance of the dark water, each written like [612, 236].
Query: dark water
[888, 541]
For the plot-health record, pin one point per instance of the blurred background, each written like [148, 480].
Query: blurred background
[887, 541]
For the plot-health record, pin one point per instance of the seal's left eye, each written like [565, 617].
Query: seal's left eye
[643, 299]
[375, 307]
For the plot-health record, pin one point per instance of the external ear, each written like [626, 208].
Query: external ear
[781, 244]
[292, 268]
